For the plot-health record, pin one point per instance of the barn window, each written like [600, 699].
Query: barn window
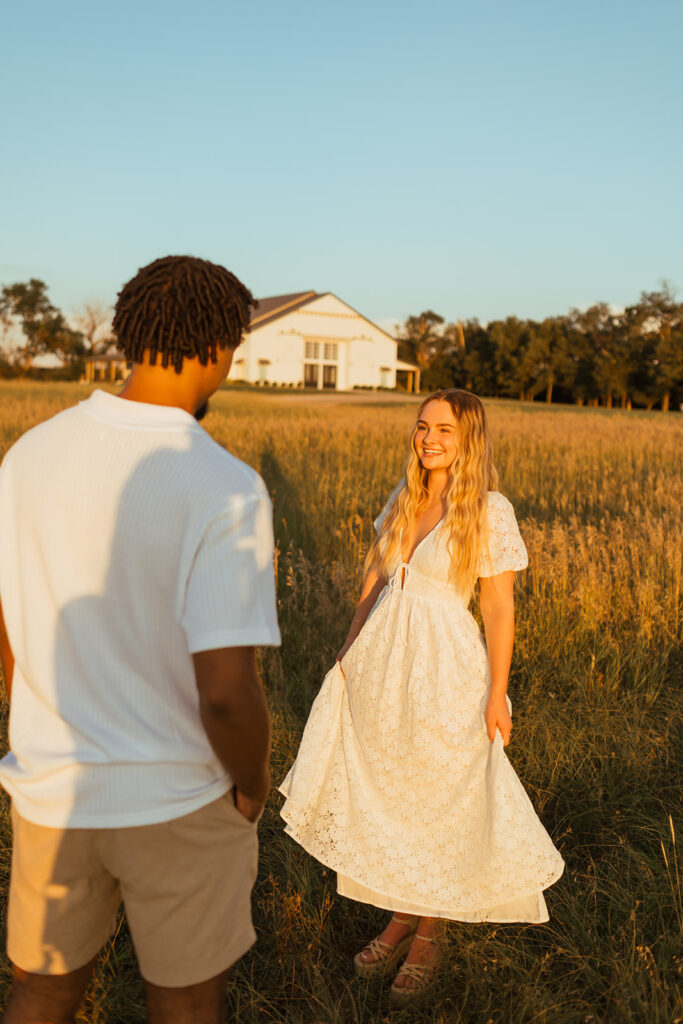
[311, 371]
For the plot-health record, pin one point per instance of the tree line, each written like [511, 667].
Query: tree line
[31, 326]
[595, 356]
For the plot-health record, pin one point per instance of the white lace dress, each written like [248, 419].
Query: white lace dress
[396, 785]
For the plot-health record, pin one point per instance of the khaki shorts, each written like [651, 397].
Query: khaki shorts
[185, 885]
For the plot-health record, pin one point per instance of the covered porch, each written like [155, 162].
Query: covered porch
[407, 377]
[110, 366]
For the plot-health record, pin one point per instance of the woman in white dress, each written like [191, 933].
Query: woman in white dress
[401, 784]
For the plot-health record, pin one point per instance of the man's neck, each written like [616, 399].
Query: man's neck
[158, 385]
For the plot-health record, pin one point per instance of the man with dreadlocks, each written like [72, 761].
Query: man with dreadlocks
[136, 579]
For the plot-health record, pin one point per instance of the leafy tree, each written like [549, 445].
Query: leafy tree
[593, 355]
[510, 338]
[669, 358]
[448, 366]
[655, 329]
[613, 368]
[603, 367]
[32, 326]
[480, 359]
[584, 388]
[469, 361]
[421, 339]
[547, 359]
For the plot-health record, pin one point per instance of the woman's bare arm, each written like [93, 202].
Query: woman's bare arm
[372, 588]
[498, 612]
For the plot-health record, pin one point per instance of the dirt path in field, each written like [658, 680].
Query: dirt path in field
[341, 397]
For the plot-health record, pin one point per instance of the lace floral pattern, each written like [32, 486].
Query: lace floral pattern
[506, 550]
[396, 784]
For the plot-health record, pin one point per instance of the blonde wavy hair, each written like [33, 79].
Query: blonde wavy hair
[472, 476]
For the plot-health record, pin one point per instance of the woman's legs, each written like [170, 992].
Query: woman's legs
[421, 956]
[424, 951]
[379, 950]
[399, 926]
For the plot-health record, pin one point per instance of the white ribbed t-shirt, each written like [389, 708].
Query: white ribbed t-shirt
[129, 540]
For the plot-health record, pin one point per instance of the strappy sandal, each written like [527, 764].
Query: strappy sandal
[384, 955]
[423, 977]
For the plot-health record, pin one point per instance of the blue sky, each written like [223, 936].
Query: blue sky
[477, 158]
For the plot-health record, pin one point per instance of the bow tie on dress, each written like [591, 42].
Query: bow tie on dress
[397, 585]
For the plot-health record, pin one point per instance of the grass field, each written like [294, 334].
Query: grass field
[595, 688]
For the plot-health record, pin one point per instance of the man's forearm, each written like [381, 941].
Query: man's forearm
[239, 732]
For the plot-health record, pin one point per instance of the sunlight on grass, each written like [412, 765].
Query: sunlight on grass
[594, 690]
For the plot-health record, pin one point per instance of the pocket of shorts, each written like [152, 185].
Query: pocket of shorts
[229, 801]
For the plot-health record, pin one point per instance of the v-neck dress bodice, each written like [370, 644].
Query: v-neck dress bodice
[396, 785]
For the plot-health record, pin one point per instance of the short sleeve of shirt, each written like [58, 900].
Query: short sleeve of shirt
[230, 598]
[506, 549]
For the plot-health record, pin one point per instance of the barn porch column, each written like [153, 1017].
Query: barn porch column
[412, 376]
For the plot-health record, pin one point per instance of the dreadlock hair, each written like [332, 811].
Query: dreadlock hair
[181, 307]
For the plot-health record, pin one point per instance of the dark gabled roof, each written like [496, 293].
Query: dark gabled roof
[277, 305]
[271, 308]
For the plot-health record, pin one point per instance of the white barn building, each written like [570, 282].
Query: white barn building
[315, 340]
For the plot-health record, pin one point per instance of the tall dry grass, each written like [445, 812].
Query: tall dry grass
[595, 690]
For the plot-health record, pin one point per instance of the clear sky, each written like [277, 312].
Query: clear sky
[478, 158]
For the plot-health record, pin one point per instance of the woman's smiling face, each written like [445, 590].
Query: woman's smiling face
[435, 435]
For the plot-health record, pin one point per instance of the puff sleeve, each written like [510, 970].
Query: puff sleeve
[506, 549]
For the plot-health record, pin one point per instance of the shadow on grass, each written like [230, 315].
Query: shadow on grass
[292, 524]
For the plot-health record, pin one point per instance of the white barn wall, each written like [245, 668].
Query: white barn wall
[282, 350]
[363, 349]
